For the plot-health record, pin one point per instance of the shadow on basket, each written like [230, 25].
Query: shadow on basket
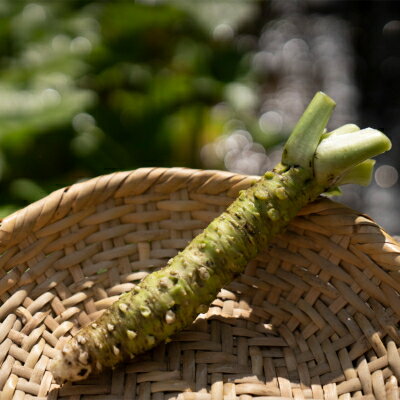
[315, 316]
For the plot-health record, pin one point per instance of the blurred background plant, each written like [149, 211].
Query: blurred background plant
[88, 88]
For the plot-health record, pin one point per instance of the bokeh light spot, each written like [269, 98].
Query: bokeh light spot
[51, 97]
[391, 28]
[81, 45]
[223, 32]
[386, 176]
[271, 121]
[83, 122]
[34, 12]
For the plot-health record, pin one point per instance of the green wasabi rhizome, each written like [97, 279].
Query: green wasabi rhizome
[168, 300]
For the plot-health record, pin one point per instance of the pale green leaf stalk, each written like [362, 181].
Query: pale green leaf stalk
[337, 154]
[361, 174]
[300, 147]
[348, 128]
[170, 299]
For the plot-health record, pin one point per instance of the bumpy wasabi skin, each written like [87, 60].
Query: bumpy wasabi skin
[170, 299]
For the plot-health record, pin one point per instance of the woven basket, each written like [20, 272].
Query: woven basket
[314, 317]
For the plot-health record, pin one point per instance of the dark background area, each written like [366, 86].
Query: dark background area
[88, 88]
[376, 32]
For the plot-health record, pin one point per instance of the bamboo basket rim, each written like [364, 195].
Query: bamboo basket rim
[90, 192]
[315, 316]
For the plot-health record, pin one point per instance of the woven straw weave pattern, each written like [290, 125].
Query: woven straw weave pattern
[313, 317]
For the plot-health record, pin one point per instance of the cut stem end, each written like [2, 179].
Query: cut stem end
[302, 143]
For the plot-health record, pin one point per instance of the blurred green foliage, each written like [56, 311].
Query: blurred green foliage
[89, 88]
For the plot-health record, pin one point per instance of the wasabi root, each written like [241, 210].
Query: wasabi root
[170, 299]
